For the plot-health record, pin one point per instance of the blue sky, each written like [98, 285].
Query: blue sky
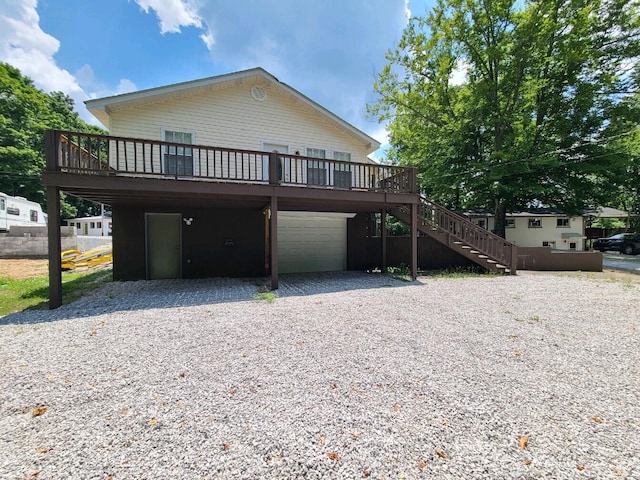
[330, 50]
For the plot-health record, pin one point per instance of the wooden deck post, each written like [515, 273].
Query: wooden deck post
[54, 245]
[414, 241]
[273, 242]
[383, 239]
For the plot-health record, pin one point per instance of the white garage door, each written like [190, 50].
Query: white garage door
[312, 242]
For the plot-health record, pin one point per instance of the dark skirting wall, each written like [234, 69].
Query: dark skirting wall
[218, 242]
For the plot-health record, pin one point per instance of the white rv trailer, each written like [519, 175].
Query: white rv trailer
[18, 211]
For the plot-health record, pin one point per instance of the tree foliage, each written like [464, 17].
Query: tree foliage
[534, 120]
[25, 113]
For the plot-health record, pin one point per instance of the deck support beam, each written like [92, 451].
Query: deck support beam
[54, 247]
[414, 241]
[273, 242]
[383, 239]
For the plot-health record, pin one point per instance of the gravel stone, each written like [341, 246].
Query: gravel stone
[344, 375]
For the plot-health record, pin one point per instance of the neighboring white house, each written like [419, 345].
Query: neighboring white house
[250, 110]
[99, 226]
[540, 228]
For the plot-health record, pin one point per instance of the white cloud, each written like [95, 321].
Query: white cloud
[174, 14]
[24, 45]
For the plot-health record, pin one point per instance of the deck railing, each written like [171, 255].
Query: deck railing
[91, 154]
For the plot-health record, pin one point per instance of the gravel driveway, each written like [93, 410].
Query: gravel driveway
[343, 376]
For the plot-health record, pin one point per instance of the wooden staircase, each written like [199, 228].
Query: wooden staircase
[481, 246]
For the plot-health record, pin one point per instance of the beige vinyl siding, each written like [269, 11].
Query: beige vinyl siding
[231, 118]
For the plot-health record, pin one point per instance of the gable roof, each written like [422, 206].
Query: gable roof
[102, 107]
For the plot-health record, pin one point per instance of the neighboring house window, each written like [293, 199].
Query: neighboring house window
[481, 223]
[562, 222]
[99, 225]
[2, 207]
[572, 245]
[71, 224]
[535, 223]
[316, 169]
[33, 214]
[78, 226]
[13, 211]
[341, 171]
[178, 160]
[93, 225]
[510, 223]
[549, 244]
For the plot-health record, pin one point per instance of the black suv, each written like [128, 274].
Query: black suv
[628, 243]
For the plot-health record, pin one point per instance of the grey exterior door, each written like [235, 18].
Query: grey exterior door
[164, 249]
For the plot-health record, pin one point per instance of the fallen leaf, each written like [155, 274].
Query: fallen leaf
[38, 411]
[517, 353]
[226, 446]
[441, 454]
[93, 332]
[153, 422]
[445, 422]
[233, 391]
[596, 419]
[26, 410]
[182, 374]
[422, 464]
[396, 409]
[124, 411]
[356, 434]
[323, 440]
[366, 473]
[51, 377]
[580, 468]
[101, 322]
[619, 472]
[527, 462]
[44, 450]
[523, 442]
[35, 473]
[333, 386]
[333, 456]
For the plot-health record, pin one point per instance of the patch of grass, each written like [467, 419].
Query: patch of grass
[401, 272]
[458, 272]
[33, 293]
[268, 297]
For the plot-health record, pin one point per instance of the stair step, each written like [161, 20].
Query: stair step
[466, 247]
[475, 252]
[457, 243]
[482, 256]
[491, 261]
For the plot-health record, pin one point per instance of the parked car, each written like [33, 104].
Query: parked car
[628, 243]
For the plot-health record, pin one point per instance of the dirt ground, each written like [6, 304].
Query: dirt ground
[23, 268]
[28, 268]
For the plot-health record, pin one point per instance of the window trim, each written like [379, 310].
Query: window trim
[567, 219]
[510, 223]
[531, 221]
[163, 136]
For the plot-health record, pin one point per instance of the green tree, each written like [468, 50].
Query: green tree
[25, 113]
[530, 124]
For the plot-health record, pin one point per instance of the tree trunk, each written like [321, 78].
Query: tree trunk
[500, 217]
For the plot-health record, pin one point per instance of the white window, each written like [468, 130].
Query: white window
[2, 206]
[342, 171]
[343, 156]
[92, 225]
[33, 215]
[316, 153]
[562, 222]
[78, 225]
[178, 160]
[99, 225]
[510, 223]
[316, 169]
[535, 223]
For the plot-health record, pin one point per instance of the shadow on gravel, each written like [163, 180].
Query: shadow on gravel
[147, 294]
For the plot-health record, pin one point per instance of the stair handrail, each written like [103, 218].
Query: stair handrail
[462, 229]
